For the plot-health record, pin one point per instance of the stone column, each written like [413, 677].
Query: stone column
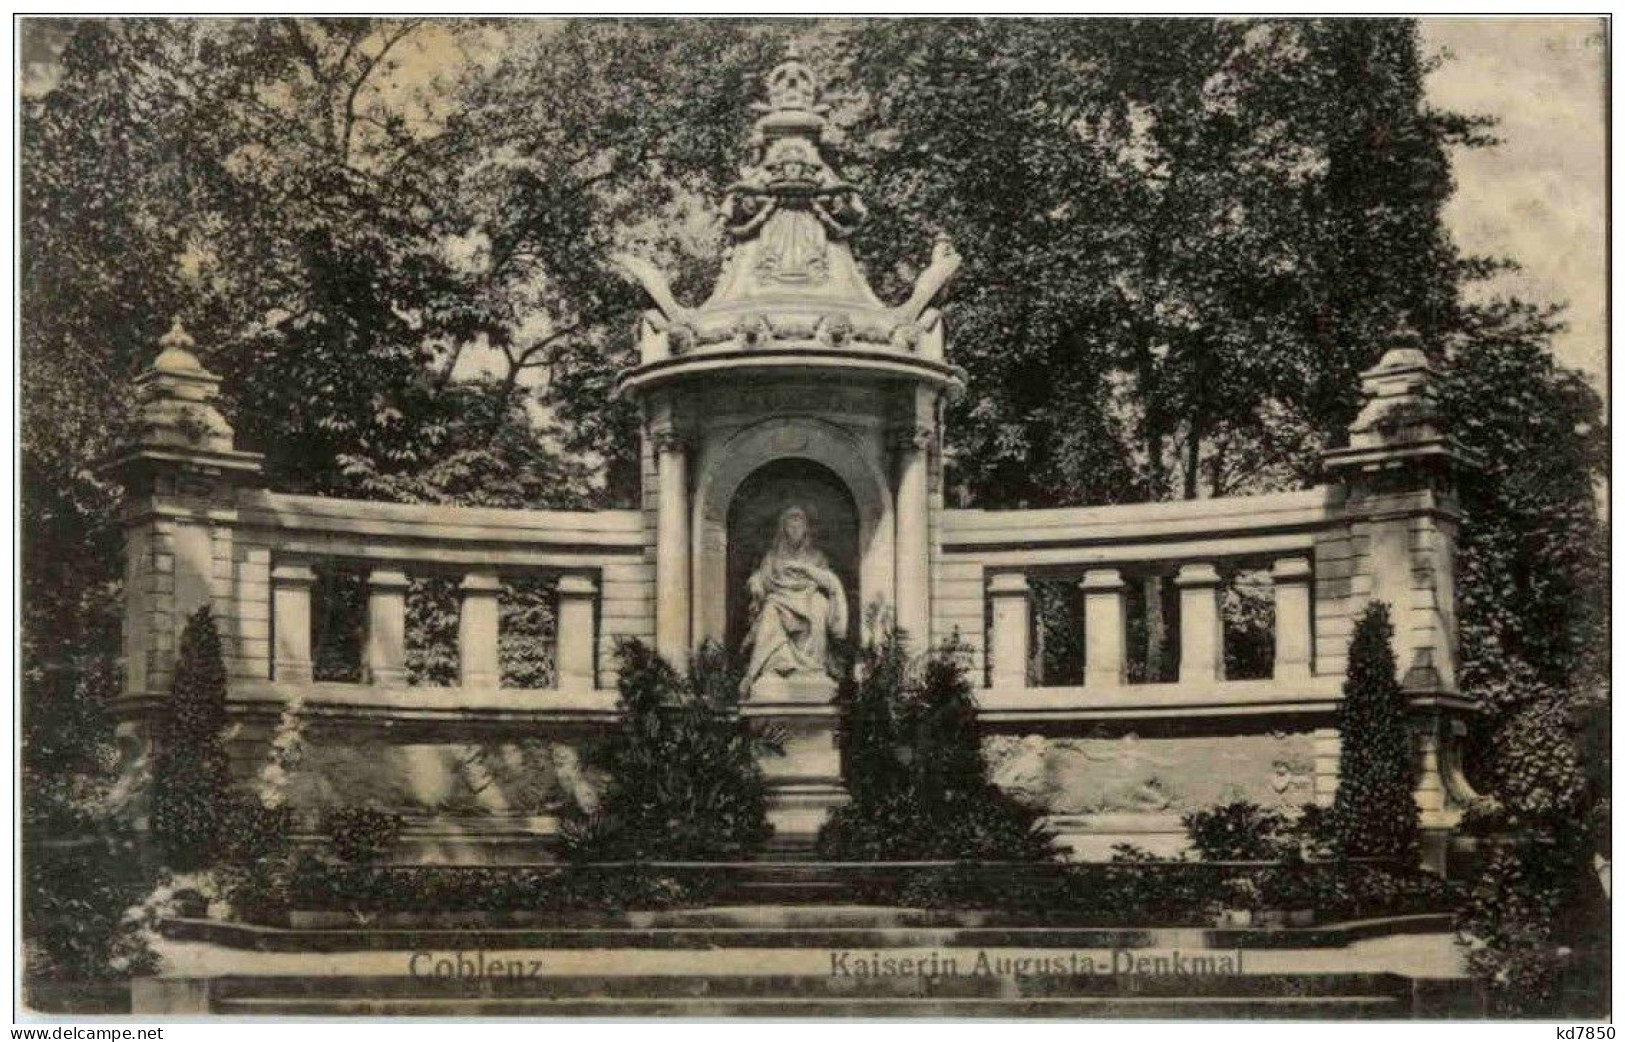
[386, 627]
[912, 447]
[1398, 474]
[290, 605]
[1201, 629]
[1294, 624]
[479, 658]
[672, 548]
[1012, 620]
[578, 594]
[182, 476]
[1104, 625]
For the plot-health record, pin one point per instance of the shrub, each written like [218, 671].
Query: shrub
[74, 903]
[310, 884]
[1238, 831]
[684, 782]
[1375, 807]
[914, 765]
[1536, 930]
[1141, 891]
[191, 775]
[360, 834]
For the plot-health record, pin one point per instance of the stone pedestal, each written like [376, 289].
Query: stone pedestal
[804, 784]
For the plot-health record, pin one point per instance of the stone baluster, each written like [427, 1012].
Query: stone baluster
[1201, 629]
[671, 547]
[291, 584]
[1012, 615]
[1294, 624]
[578, 596]
[386, 627]
[1104, 623]
[478, 631]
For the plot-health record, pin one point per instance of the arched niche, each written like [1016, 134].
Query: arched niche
[728, 464]
[753, 523]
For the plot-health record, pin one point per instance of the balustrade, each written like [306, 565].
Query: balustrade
[1201, 636]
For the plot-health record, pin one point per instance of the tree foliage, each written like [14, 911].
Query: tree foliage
[1375, 806]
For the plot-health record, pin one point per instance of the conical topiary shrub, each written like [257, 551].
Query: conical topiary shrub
[1375, 808]
[191, 775]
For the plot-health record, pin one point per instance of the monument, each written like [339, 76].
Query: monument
[792, 384]
[791, 497]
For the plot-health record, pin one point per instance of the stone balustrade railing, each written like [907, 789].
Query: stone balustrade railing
[584, 551]
[254, 556]
[1325, 552]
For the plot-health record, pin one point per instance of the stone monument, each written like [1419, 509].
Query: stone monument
[792, 360]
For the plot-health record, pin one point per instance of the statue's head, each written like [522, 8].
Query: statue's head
[793, 528]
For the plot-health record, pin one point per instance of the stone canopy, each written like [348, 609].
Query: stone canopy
[788, 277]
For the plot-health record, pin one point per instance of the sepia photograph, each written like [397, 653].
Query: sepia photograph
[1093, 518]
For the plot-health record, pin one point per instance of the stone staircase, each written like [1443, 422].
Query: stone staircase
[773, 951]
[701, 994]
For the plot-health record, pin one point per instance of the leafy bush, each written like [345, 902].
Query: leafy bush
[1137, 890]
[684, 781]
[1536, 930]
[360, 834]
[1375, 807]
[256, 855]
[191, 775]
[914, 765]
[1238, 831]
[312, 884]
[74, 903]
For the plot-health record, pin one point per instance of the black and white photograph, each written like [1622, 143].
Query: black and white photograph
[1101, 518]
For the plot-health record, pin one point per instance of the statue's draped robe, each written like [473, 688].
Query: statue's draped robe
[795, 618]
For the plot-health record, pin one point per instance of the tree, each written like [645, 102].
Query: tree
[1532, 602]
[191, 775]
[1182, 240]
[1375, 806]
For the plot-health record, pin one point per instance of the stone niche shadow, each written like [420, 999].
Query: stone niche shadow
[753, 518]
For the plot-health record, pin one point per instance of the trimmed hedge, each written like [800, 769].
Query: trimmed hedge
[1143, 893]
[312, 884]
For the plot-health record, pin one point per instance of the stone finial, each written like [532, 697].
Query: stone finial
[1399, 423]
[176, 355]
[1398, 401]
[177, 397]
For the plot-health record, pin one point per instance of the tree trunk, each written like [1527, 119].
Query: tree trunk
[1156, 629]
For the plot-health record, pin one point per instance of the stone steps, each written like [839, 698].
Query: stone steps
[846, 927]
[1333, 1008]
[1175, 995]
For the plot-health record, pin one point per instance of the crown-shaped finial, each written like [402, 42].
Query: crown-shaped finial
[176, 351]
[791, 86]
[177, 336]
